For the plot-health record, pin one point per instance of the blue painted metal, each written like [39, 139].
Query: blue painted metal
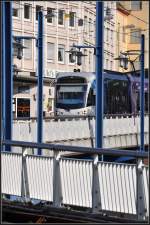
[7, 72]
[90, 151]
[3, 72]
[142, 94]
[40, 81]
[99, 74]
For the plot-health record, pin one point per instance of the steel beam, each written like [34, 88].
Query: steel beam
[40, 81]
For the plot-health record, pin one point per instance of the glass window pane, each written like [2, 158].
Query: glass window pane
[135, 36]
[27, 51]
[61, 51]
[72, 19]
[50, 51]
[60, 17]
[136, 5]
[15, 12]
[27, 11]
[49, 13]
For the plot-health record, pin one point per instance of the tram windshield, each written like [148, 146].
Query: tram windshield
[71, 96]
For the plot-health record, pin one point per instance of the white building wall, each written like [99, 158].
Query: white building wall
[63, 34]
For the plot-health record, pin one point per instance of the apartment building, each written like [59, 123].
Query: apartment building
[69, 22]
[132, 20]
[65, 23]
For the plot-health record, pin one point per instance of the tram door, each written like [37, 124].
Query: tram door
[23, 107]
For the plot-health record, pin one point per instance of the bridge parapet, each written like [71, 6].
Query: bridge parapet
[80, 131]
[118, 188]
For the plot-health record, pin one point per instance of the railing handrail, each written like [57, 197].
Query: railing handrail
[78, 116]
[99, 151]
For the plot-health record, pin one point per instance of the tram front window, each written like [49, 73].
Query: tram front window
[70, 97]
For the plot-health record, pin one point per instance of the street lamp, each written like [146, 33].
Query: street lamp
[74, 53]
[124, 58]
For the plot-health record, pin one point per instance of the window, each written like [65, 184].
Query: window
[90, 24]
[50, 91]
[15, 12]
[123, 34]
[24, 89]
[50, 51]
[27, 51]
[49, 105]
[85, 23]
[38, 8]
[60, 17]
[135, 36]
[27, 13]
[136, 5]
[50, 15]
[72, 19]
[23, 107]
[61, 53]
[107, 34]
[16, 9]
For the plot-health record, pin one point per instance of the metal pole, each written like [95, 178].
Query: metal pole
[142, 94]
[99, 74]
[1, 120]
[40, 81]
[3, 72]
[7, 72]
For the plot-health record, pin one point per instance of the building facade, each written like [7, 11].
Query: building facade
[132, 20]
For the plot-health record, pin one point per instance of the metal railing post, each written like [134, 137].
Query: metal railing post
[57, 191]
[141, 207]
[96, 200]
[40, 81]
[24, 178]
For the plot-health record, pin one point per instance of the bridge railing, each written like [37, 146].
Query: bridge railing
[65, 117]
[81, 131]
[92, 184]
